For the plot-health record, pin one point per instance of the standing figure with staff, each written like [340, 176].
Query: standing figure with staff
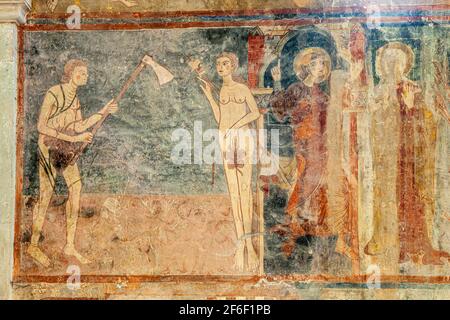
[61, 124]
[63, 136]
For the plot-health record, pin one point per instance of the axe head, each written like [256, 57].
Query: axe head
[164, 76]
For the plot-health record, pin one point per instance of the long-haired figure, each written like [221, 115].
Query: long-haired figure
[305, 104]
[234, 112]
[402, 147]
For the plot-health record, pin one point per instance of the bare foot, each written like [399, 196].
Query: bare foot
[38, 255]
[71, 251]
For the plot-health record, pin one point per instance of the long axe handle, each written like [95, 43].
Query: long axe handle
[122, 92]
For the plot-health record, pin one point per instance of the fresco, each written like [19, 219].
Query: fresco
[104, 6]
[268, 150]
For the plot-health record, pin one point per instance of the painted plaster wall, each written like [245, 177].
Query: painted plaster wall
[103, 6]
[272, 290]
[8, 103]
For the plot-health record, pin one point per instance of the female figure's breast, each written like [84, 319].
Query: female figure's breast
[232, 108]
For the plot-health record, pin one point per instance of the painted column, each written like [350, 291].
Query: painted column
[12, 14]
[255, 57]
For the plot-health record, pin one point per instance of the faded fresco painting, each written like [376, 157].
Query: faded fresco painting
[145, 199]
[102, 6]
[293, 151]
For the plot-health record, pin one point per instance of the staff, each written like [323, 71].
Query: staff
[164, 76]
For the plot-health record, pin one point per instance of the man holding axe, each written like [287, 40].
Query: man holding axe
[63, 136]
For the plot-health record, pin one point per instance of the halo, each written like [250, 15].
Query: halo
[409, 53]
[303, 59]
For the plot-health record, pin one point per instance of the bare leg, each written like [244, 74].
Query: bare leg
[247, 142]
[72, 176]
[233, 188]
[244, 176]
[46, 185]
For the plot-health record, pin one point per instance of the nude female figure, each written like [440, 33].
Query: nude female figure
[60, 118]
[234, 113]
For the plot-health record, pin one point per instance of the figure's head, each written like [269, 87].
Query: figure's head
[226, 64]
[314, 63]
[75, 71]
[394, 61]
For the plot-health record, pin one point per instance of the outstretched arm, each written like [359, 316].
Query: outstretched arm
[281, 101]
[207, 90]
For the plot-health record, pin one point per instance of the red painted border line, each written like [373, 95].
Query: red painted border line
[361, 279]
[194, 24]
[245, 12]
[19, 150]
[18, 278]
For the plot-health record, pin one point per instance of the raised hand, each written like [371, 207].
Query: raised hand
[276, 72]
[409, 92]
